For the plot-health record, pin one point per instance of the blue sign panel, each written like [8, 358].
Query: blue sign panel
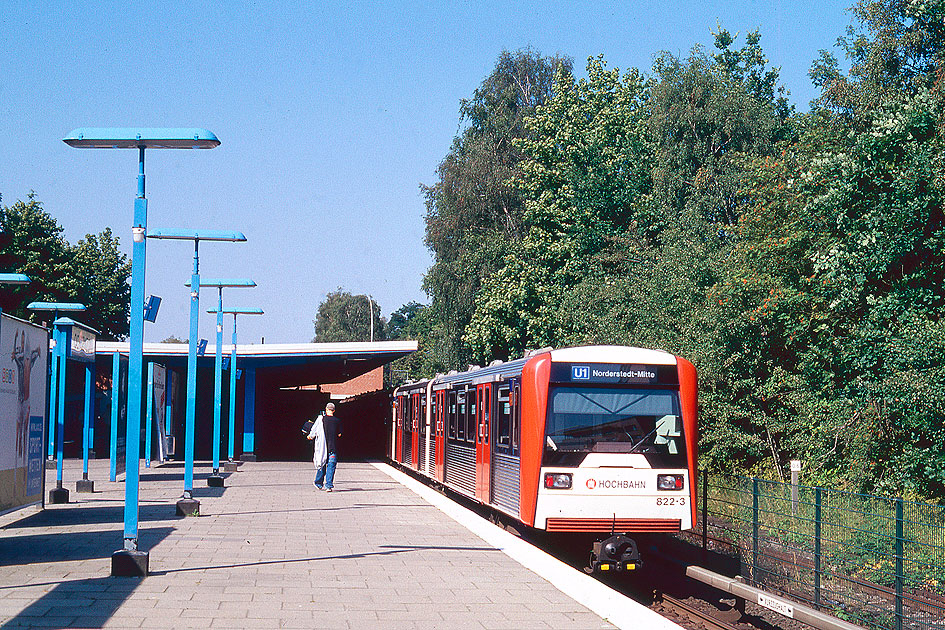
[34, 470]
[580, 372]
[624, 374]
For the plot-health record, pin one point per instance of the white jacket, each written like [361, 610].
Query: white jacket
[318, 438]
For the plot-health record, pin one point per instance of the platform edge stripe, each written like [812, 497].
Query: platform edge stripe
[610, 605]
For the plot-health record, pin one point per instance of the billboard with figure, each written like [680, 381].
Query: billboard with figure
[24, 355]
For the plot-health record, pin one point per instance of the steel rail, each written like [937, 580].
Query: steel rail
[681, 608]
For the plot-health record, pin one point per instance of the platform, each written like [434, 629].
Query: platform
[271, 551]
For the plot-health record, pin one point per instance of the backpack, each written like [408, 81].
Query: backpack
[308, 424]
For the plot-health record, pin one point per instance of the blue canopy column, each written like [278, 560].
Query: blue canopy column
[57, 392]
[116, 408]
[80, 346]
[215, 480]
[231, 464]
[249, 415]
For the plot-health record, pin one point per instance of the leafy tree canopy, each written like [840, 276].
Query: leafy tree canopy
[473, 214]
[93, 272]
[343, 316]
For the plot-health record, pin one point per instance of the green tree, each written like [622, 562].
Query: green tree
[895, 48]
[705, 111]
[404, 323]
[583, 172]
[32, 244]
[631, 190]
[830, 301]
[99, 280]
[93, 272]
[346, 317]
[413, 321]
[473, 213]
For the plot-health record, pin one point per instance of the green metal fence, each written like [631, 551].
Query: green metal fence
[874, 561]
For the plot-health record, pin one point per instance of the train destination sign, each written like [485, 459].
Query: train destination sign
[633, 374]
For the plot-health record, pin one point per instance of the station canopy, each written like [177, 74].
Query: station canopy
[296, 364]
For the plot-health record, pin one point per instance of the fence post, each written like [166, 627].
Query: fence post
[817, 535]
[705, 509]
[899, 570]
[754, 530]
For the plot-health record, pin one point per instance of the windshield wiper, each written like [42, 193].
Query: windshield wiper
[642, 440]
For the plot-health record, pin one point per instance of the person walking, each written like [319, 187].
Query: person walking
[325, 432]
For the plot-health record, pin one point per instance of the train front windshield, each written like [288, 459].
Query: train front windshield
[585, 420]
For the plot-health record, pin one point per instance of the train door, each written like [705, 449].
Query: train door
[424, 458]
[398, 428]
[516, 415]
[415, 433]
[405, 439]
[484, 443]
[440, 428]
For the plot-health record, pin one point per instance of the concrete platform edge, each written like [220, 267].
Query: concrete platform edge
[615, 608]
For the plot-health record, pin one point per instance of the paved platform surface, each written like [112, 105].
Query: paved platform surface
[269, 551]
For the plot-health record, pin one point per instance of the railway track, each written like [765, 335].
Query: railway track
[673, 608]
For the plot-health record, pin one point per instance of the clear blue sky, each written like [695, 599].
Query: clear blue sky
[330, 115]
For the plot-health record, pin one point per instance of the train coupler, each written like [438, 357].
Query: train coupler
[615, 554]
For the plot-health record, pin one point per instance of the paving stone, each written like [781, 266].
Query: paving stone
[267, 552]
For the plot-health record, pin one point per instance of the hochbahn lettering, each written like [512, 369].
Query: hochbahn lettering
[593, 484]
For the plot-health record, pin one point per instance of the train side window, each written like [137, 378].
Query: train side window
[423, 414]
[471, 417]
[486, 404]
[503, 418]
[440, 412]
[451, 415]
[461, 416]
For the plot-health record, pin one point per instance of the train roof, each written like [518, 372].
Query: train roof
[498, 370]
[626, 355]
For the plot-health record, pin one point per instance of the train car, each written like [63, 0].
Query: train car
[593, 439]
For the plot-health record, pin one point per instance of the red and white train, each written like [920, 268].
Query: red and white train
[590, 439]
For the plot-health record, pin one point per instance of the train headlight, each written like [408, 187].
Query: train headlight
[558, 481]
[669, 482]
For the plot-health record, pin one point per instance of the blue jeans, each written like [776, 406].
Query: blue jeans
[327, 472]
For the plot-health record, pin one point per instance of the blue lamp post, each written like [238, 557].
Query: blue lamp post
[130, 560]
[231, 465]
[188, 505]
[57, 383]
[215, 480]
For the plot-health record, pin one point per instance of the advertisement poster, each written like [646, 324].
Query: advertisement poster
[160, 408]
[122, 414]
[83, 345]
[24, 355]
